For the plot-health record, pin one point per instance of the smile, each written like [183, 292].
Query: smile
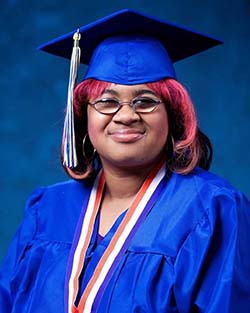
[127, 135]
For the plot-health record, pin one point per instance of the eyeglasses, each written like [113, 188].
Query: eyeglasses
[112, 106]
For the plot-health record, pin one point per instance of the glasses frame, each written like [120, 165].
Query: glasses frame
[131, 103]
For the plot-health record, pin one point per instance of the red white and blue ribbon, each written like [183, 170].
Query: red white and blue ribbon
[142, 204]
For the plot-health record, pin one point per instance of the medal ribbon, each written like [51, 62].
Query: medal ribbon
[109, 261]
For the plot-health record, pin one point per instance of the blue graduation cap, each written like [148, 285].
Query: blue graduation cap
[126, 47]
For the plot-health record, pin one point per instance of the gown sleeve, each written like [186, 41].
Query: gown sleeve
[16, 250]
[212, 269]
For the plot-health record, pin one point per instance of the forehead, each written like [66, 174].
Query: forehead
[128, 89]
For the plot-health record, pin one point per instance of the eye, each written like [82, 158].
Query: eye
[145, 102]
[106, 105]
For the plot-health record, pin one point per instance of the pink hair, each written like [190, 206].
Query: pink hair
[85, 90]
[183, 123]
[186, 146]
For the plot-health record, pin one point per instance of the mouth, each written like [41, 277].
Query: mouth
[127, 135]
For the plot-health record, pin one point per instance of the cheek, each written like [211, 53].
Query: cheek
[161, 127]
[96, 126]
[92, 133]
[92, 128]
[161, 135]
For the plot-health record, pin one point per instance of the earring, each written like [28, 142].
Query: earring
[170, 150]
[172, 140]
[86, 147]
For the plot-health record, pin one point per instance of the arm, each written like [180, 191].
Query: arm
[212, 270]
[16, 251]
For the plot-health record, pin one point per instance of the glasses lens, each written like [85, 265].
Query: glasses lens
[145, 105]
[140, 105]
[106, 106]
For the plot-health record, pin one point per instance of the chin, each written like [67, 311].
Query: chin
[131, 161]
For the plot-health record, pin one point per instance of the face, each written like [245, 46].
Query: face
[128, 139]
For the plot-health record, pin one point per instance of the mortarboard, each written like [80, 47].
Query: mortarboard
[109, 41]
[126, 47]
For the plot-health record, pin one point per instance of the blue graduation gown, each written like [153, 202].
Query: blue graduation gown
[191, 254]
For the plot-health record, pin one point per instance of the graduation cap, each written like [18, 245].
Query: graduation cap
[126, 47]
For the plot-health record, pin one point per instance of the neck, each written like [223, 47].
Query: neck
[124, 183]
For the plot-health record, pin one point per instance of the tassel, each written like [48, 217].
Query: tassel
[69, 146]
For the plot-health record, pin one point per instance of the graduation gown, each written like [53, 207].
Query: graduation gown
[191, 254]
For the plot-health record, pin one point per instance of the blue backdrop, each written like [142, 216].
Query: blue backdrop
[33, 88]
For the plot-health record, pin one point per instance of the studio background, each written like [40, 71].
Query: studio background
[33, 89]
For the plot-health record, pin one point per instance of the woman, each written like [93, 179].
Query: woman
[143, 227]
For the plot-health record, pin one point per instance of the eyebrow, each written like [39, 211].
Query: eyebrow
[136, 93]
[140, 92]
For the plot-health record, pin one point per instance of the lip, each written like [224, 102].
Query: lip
[127, 135]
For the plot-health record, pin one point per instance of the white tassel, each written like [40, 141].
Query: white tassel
[69, 147]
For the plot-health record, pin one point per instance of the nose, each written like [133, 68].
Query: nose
[126, 115]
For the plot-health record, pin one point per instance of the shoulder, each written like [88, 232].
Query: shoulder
[57, 208]
[216, 194]
[199, 179]
[66, 189]
[206, 178]
[206, 188]
[62, 191]
[199, 200]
